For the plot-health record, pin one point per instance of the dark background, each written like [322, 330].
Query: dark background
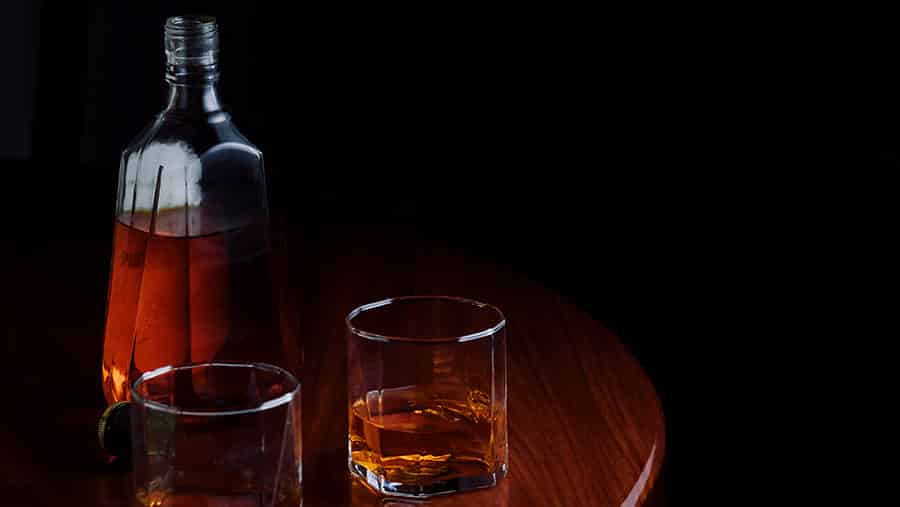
[601, 153]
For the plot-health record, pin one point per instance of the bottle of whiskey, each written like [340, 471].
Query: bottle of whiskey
[192, 269]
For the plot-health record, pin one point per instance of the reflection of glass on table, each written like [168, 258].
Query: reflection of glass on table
[497, 496]
[427, 393]
[217, 433]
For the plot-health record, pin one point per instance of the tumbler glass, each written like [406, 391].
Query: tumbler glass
[217, 434]
[427, 395]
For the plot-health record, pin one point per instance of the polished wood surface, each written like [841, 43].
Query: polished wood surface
[585, 424]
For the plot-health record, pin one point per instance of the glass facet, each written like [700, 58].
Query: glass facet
[427, 395]
[217, 434]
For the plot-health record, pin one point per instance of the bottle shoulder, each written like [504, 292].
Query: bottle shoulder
[143, 137]
[196, 133]
[194, 177]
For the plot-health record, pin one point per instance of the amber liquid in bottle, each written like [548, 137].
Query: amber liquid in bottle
[174, 300]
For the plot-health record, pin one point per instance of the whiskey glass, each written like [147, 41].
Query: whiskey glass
[427, 395]
[216, 434]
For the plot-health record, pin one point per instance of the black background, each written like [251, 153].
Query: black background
[607, 154]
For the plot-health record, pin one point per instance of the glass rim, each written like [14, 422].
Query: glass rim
[170, 409]
[490, 331]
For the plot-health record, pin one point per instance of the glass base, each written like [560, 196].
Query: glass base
[438, 487]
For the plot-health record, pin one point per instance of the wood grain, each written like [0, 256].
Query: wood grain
[585, 424]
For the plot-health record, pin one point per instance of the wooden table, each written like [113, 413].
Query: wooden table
[585, 424]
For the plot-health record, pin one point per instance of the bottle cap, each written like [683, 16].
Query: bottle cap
[114, 430]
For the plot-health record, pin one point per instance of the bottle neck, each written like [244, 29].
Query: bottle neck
[192, 64]
[193, 98]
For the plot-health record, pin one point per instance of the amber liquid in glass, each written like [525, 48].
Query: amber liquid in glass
[174, 300]
[423, 433]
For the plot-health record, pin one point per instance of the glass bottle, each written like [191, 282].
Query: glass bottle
[192, 273]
